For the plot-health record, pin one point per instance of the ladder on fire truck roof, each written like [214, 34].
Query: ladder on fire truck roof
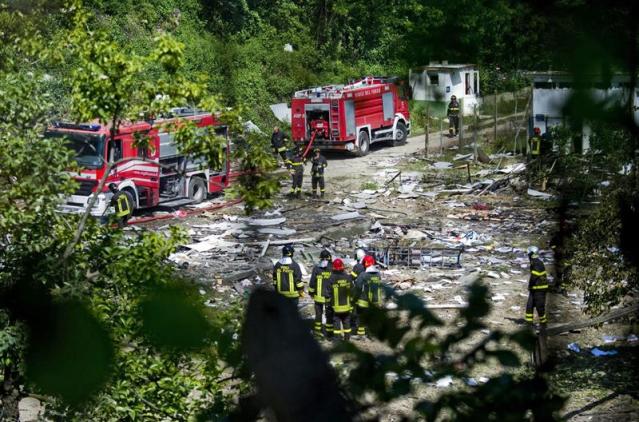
[335, 91]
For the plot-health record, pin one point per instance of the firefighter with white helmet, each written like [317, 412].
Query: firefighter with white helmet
[537, 288]
[358, 268]
[287, 276]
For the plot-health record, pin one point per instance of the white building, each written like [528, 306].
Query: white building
[551, 90]
[439, 81]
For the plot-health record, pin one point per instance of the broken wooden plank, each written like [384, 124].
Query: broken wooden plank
[618, 313]
[265, 247]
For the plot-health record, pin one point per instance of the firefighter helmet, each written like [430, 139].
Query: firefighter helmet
[537, 131]
[316, 150]
[325, 254]
[368, 261]
[453, 97]
[113, 187]
[360, 254]
[533, 250]
[288, 250]
[338, 265]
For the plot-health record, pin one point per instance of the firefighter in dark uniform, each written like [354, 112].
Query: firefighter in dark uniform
[358, 268]
[537, 288]
[287, 276]
[296, 168]
[338, 297]
[319, 277]
[121, 201]
[278, 143]
[368, 292]
[453, 116]
[317, 172]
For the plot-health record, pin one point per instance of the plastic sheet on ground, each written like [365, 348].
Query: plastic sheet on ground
[598, 352]
[266, 221]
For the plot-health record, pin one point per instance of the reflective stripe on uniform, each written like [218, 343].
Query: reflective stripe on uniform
[529, 317]
[353, 273]
[290, 292]
[123, 208]
[540, 287]
[538, 273]
[362, 303]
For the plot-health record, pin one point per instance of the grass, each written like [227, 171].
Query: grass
[369, 185]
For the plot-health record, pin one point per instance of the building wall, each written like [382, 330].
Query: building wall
[450, 83]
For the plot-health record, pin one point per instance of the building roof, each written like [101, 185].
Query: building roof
[541, 75]
[445, 66]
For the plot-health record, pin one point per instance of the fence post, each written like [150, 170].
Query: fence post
[495, 121]
[461, 124]
[475, 129]
[426, 128]
[441, 136]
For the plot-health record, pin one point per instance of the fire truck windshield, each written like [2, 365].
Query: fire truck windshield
[89, 149]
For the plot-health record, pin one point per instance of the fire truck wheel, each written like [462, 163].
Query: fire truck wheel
[364, 144]
[128, 192]
[401, 134]
[197, 190]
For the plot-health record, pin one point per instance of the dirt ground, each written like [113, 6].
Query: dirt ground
[430, 206]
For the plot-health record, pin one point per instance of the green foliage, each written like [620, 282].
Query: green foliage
[598, 265]
[419, 356]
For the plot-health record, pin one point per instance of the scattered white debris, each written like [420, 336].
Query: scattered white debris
[346, 216]
[540, 195]
[472, 382]
[442, 165]
[498, 298]
[492, 274]
[445, 382]
[574, 347]
[515, 308]
[266, 221]
[612, 339]
[632, 338]
[277, 232]
[391, 305]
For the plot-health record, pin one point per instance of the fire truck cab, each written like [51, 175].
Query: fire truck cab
[351, 117]
[176, 180]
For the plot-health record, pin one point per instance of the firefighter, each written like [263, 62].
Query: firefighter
[278, 142]
[537, 288]
[368, 292]
[317, 172]
[359, 266]
[535, 144]
[453, 116]
[296, 168]
[287, 276]
[338, 296]
[121, 201]
[319, 278]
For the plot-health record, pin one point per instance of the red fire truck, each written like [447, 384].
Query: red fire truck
[178, 180]
[351, 117]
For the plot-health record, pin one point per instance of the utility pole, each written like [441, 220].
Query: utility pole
[441, 136]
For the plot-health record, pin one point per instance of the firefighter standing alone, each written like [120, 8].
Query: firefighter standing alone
[121, 201]
[537, 288]
[287, 276]
[319, 278]
[453, 116]
[278, 143]
[317, 172]
[296, 168]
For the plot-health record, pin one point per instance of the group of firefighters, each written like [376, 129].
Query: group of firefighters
[294, 160]
[341, 298]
